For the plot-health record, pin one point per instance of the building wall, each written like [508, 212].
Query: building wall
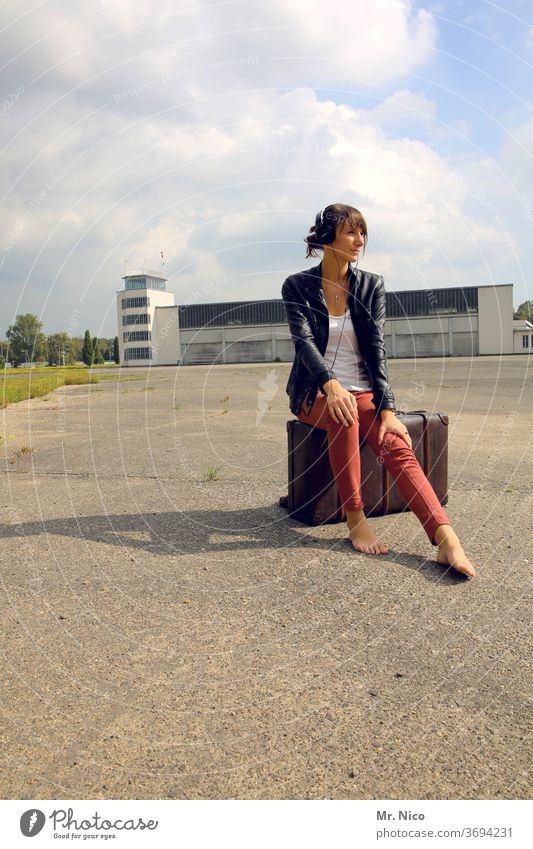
[155, 299]
[435, 336]
[237, 344]
[490, 331]
[165, 336]
[414, 337]
[520, 331]
[495, 305]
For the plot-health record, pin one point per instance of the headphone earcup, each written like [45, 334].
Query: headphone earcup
[325, 235]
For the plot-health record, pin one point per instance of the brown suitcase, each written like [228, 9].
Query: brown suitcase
[313, 497]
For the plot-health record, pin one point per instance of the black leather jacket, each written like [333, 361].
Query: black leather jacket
[307, 314]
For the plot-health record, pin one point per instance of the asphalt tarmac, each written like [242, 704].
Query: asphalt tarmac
[168, 632]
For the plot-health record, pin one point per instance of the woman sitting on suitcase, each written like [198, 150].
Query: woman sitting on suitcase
[339, 380]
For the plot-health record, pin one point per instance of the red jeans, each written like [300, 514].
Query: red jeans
[397, 457]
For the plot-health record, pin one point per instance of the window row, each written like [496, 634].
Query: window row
[127, 303]
[145, 283]
[138, 354]
[397, 305]
[137, 336]
[136, 318]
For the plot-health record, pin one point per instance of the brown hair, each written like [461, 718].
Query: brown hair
[324, 230]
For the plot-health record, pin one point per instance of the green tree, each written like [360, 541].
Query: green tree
[76, 348]
[59, 349]
[3, 352]
[116, 351]
[97, 351]
[87, 353]
[103, 347]
[108, 349]
[24, 339]
[524, 310]
[40, 353]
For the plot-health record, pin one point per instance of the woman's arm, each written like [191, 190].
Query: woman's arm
[376, 354]
[303, 337]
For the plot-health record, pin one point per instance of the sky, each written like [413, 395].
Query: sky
[213, 132]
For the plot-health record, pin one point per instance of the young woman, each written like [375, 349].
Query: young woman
[339, 380]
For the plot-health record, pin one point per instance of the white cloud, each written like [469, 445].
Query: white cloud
[223, 165]
[115, 46]
[405, 106]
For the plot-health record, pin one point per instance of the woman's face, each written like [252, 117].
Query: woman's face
[349, 240]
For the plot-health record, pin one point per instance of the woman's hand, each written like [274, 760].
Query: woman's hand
[341, 403]
[390, 424]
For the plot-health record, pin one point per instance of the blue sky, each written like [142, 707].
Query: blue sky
[215, 133]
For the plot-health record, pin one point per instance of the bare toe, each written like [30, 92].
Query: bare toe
[466, 568]
[457, 559]
[364, 540]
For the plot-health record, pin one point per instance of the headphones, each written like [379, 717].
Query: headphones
[324, 230]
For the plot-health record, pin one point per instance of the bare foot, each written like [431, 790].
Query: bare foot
[362, 537]
[451, 552]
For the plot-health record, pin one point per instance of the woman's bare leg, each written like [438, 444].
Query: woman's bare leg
[362, 537]
[345, 461]
[450, 551]
[415, 488]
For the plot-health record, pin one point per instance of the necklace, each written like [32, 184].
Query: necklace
[340, 337]
[344, 289]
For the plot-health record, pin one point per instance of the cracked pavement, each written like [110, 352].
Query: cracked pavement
[169, 632]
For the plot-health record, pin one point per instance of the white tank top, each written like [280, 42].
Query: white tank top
[349, 367]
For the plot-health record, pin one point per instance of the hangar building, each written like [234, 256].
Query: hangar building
[459, 321]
